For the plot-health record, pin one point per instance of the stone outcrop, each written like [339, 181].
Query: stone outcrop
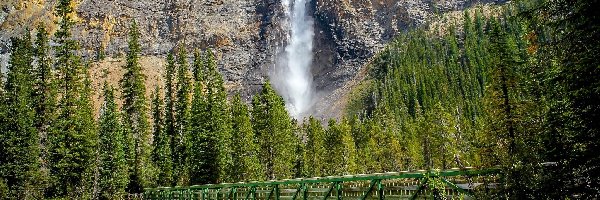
[246, 35]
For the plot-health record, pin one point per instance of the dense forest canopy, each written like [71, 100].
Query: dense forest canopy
[517, 89]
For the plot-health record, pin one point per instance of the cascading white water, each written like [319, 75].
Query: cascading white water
[294, 77]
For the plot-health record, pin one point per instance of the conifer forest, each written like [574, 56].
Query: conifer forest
[515, 89]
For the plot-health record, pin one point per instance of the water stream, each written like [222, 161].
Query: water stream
[295, 78]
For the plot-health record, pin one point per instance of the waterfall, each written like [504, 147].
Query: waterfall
[294, 78]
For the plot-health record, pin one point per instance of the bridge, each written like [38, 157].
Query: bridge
[440, 184]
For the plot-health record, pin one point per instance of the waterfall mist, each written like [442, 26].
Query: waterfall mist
[293, 77]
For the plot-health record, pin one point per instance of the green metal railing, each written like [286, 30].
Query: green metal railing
[454, 183]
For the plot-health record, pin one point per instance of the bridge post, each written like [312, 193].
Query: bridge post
[339, 190]
[305, 191]
[380, 190]
[277, 192]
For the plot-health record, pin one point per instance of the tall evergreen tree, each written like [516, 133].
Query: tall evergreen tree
[89, 128]
[245, 164]
[364, 144]
[19, 141]
[438, 132]
[211, 124]
[504, 82]
[299, 169]
[170, 104]
[340, 149]
[112, 163]
[182, 120]
[220, 119]
[136, 114]
[45, 95]
[72, 153]
[205, 167]
[204, 163]
[314, 156]
[161, 154]
[273, 128]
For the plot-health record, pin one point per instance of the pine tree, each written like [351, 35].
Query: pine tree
[371, 153]
[273, 128]
[170, 105]
[211, 124]
[112, 163]
[161, 154]
[340, 149]
[382, 142]
[90, 131]
[438, 133]
[72, 153]
[349, 155]
[182, 120]
[299, 169]
[45, 95]
[136, 114]
[364, 144]
[129, 148]
[314, 156]
[220, 119]
[245, 164]
[204, 167]
[510, 130]
[389, 138]
[501, 95]
[204, 163]
[19, 141]
[412, 146]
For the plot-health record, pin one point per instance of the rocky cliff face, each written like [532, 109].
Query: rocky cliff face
[246, 35]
